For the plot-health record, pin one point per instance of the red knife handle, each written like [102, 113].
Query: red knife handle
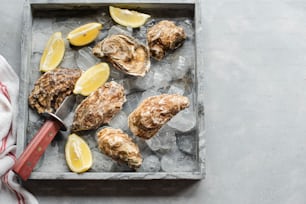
[39, 143]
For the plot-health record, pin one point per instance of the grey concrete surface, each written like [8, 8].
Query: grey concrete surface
[255, 105]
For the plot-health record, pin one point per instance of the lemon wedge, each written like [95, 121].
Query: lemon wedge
[53, 53]
[78, 154]
[84, 34]
[92, 79]
[127, 17]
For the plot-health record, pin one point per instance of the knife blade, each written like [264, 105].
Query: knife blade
[39, 143]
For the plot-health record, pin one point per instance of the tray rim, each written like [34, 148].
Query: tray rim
[25, 63]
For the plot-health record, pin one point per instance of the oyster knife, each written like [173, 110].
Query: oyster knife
[39, 143]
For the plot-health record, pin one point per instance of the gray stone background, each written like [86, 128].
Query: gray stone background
[255, 105]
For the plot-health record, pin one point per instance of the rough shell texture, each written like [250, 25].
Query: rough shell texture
[51, 89]
[99, 107]
[119, 146]
[125, 54]
[154, 112]
[163, 36]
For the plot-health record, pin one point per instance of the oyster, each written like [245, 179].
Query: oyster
[154, 112]
[99, 107]
[119, 146]
[125, 54]
[51, 89]
[163, 36]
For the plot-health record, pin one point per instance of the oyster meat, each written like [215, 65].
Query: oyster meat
[154, 112]
[119, 146]
[125, 54]
[51, 89]
[99, 107]
[163, 36]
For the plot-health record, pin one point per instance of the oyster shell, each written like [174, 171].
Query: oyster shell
[125, 54]
[163, 36]
[99, 107]
[51, 89]
[119, 146]
[154, 112]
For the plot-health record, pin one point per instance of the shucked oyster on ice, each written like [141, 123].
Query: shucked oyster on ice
[125, 54]
[119, 146]
[163, 36]
[51, 89]
[99, 107]
[154, 112]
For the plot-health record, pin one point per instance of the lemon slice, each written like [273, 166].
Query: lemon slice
[127, 17]
[92, 79]
[84, 34]
[53, 53]
[78, 154]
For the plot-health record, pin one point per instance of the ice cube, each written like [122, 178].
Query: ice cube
[42, 25]
[66, 25]
[101, 162]
[187, 24]
[85, 59]
[148, 93]
[187, 50]
[127, 83]
[69, 119]
[115, 74]
[177, 161]
[141, 34]
[105, 19]
[144, 83]
[186, 143]
[151, 22]
[141, 143]
[35, 122]
[53, 159]
[129, 29]
[180, 67]
[163, 140]
[184, 121]
[69, 59]
[103, 34]
[41, 32]
[177, 88]
[39, 41]
[162, 74]
[118, 29]
[150, 164]
[90, 139]
[121, 167]
[120, 120]
[161, 79]
[132, 101]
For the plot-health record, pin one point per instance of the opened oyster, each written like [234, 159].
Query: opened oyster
[119, 146]
[51, 89]
[163, 36]
[125, 54]
[99, 107]
[154, 112]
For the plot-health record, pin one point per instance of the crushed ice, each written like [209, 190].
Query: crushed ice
[173, 148]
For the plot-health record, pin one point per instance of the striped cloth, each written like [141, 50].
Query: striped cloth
[11, 191]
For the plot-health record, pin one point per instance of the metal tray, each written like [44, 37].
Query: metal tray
[42, 17]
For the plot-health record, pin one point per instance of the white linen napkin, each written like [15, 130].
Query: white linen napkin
[11, 191]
